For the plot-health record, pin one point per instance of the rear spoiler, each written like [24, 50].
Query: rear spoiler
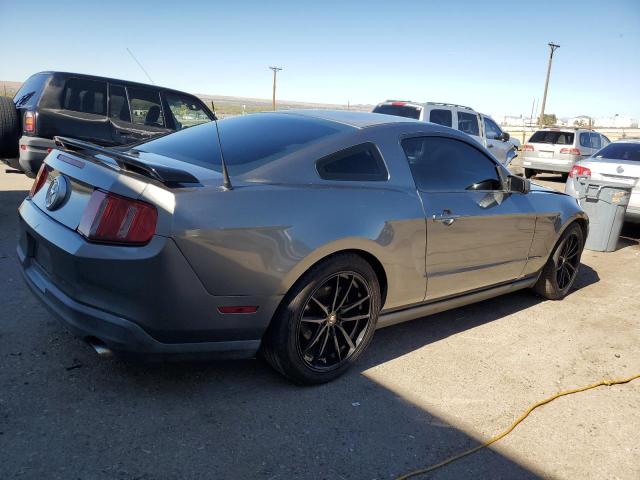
[162, 173]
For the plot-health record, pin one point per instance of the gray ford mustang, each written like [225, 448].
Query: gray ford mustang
[318, 228]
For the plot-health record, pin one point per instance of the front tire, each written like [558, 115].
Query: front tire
[561, 270]
[325, 322]
[529, 173]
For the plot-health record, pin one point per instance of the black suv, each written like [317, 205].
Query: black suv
[100, 110]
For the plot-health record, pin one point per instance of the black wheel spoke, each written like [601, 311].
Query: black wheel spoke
[354, 305]
[315, 338]
[324, 343]
[357, 317]
[323, 307]
[335, 295]
[336, 343]
[313, 319]
[347, 338]
[344, 298]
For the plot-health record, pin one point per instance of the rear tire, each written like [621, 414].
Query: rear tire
[325, 322]
[9, 128]
[561, 270]
[564, 177]
[528, 173]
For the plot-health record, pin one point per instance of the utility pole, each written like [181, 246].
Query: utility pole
[275, 71]
[552, 47]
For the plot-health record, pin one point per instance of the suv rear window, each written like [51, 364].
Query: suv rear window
[248, 141]
[552, 137]
[399, 111]
[30, 90]
[87, 96]
[621, 151]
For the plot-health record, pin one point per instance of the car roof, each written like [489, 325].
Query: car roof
[350, 117]
[627, 140]
[112, 80]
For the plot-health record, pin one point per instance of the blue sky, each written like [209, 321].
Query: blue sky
[488, 55]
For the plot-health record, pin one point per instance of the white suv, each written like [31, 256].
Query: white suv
[556, 150]
[477, 125]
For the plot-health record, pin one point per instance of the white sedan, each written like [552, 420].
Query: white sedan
[618, 162]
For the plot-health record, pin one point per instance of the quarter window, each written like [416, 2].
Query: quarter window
[118, 105]
[87, 96]
[585, 140]
[445, 164]
[468, 123]
[145, 107]
[441, 117]
[186, 111]
[359, 163]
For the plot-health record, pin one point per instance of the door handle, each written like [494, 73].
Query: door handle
[489, 146]
[446, 217]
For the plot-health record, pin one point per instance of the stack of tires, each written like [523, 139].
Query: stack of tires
[9, 129]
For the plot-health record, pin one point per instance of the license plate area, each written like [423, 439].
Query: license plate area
[543, 154]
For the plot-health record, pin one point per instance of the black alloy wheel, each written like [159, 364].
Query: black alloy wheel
[334, 321]
[568, 260]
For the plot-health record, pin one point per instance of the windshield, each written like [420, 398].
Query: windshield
[248, 141]
[620, 151]
[552, 137]
[399, 111]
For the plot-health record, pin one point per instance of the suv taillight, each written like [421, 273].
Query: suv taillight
[578, 171]
[570, 151]
[29, 122]
[527, 148]
[110, 218]
[41, 178]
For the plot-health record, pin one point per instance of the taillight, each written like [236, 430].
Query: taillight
[398, 104]
[578, 171]
[527, 148]
[570, 151]
[29, 122]
[110, 218]
[41, 178]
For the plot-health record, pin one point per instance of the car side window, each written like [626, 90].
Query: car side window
[145, 106]
[441, 117]
[186, 111]
[118, 104]
[468, 123]
[605, 140]
[87, 96]
[492, 130]
[449, 165]
[595, 141]
[358, 163]
[585, 140]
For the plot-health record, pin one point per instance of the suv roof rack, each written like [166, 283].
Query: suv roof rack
[394, 100]
[450, 105]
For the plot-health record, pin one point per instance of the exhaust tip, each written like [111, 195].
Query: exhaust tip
[100, 348]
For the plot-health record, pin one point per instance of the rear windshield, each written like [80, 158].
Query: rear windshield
[248, 141]
[30, 90]
[620, 151]
[555, 138]
[399, 111]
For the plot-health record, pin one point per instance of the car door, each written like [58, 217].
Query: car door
[495, 143]
[145, 117]
[478, 234]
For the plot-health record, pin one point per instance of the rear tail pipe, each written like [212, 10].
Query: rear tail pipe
[101, 349]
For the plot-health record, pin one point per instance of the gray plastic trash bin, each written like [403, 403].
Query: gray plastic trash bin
[605, 204]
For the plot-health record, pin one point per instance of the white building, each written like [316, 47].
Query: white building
[617, 121]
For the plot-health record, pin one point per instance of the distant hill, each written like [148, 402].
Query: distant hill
[229, 106]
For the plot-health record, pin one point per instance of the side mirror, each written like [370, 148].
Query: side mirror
[504, 137]
[518, 184]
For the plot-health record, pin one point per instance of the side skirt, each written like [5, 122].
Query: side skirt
[387, 319]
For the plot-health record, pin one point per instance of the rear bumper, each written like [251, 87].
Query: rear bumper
[547, 164]
[33, 151]
[142, 300]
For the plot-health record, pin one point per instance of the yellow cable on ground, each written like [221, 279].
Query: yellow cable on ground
[460, 455]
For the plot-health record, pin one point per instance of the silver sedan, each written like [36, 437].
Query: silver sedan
[316, 229]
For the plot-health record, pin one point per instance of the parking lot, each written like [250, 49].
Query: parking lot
[423, 391]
